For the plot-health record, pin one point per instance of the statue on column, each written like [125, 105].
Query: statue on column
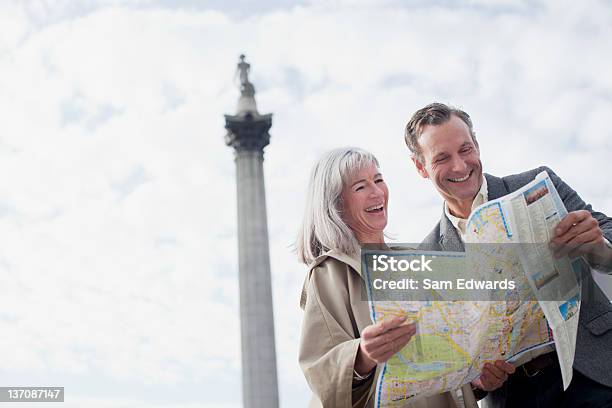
[246, 88]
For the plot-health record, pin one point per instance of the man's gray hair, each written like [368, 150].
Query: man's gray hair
[433, 114]
[323, 228]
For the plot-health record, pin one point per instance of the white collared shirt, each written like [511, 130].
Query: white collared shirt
[460, 223]
[482, 197]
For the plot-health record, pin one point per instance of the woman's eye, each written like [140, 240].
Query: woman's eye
[359, 188]
[379, 181]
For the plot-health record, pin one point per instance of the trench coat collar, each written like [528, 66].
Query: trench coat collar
[352, 261]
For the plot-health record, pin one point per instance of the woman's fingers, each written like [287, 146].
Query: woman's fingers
[390, 343]
[382, 340]
[387, 355]
[384, 352]
[375, 330]
[391, 335]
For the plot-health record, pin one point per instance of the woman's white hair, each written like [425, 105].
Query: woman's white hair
[323, 228]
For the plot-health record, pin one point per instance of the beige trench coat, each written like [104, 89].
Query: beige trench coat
[335, 313]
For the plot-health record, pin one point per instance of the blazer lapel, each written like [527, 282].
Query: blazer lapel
[449, 237]
[496, 187]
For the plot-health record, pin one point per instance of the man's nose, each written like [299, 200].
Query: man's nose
[458, 165]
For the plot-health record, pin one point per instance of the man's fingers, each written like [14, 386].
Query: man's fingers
[585, 231]
[478, 383]
[591, 236]
[577, 228]
[574, 232]
[486, 383]
[585, 243]
[570, 220]
[581, 244]
[490, 381]
[494, 373]
[505, 366]
[582, 250]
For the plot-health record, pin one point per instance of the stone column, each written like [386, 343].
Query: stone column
[256, 315]
[247, 133]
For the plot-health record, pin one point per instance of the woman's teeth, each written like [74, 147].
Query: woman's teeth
[375, 208]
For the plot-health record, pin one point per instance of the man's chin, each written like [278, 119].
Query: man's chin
[462, 194]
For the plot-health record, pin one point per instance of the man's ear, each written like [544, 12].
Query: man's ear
[420, 167]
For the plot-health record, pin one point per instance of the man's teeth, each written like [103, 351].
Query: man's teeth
[457, 180]
[375, 208]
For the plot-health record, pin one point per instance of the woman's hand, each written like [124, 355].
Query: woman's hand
[380, 341]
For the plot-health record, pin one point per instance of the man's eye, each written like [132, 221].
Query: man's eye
[379, 180]
[441, 159]
[466, 150]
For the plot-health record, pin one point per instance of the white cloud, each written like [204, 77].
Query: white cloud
[117, 204]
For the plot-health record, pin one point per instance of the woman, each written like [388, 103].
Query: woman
[340, 347]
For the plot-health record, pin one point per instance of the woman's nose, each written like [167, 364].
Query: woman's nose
[376, 191]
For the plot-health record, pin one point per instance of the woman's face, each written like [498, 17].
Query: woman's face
[364, 197]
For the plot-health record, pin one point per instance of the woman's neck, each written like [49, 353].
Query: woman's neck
[377, 238]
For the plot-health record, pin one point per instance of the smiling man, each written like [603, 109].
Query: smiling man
[444, 149]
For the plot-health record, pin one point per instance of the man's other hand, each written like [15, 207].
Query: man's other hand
[578, 234]
[493, 375]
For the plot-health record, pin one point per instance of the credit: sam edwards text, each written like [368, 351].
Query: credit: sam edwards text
[459, 283]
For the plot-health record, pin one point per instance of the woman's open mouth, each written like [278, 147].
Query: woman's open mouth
[375, 208]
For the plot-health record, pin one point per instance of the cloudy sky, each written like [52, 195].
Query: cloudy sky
[118, 271]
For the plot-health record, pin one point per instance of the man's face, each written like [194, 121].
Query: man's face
[451, 160]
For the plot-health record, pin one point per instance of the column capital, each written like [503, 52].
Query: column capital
[248, 132]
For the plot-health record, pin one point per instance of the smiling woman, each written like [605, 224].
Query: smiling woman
[341, 349]
[364, 199]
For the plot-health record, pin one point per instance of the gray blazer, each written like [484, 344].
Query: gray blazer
[594, 338]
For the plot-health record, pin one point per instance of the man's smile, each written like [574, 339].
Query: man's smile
[461, 179]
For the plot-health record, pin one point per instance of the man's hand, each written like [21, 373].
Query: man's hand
[380, 341]
[493, 375]
[578, 234]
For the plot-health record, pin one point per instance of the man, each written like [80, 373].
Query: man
[444, 149]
